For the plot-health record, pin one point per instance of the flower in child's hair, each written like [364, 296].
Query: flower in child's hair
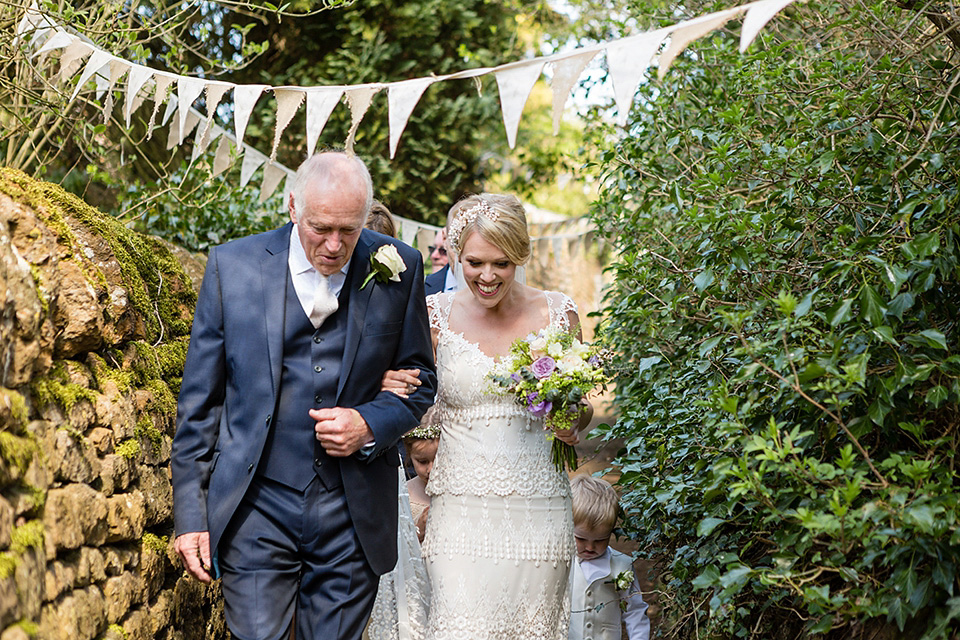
[385, 264]
[623, 580]
[542, 367]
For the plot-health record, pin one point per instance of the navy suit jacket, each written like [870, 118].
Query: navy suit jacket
[436, 281]
[232, 375]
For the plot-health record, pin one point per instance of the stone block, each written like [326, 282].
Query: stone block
[115, 411]
[137, 625]
[15, 633]
[59, 578]
[74, 515]
[161, 613]
[101, 439]
[79, 615]
[157, 493]
[116, 473]
[77, 313]
[126, 515]
[9, 602]
[92, 567]
[73, 459]
[6, 522]
[30, 583]
[119, 559]
[120, 593]
[153, 566]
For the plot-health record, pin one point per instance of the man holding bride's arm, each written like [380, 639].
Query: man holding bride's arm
[284, 465]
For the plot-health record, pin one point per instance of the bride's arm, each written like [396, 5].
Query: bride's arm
[405, 381]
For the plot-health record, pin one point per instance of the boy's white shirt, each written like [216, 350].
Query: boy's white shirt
[635, 617]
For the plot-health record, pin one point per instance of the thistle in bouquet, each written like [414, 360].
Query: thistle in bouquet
[549, 373]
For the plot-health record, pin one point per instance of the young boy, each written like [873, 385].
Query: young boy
[603, 588]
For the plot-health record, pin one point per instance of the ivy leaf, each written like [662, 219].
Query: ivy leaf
[840, 312]
[707, 525]
[937, 395]
[704, 280]
[871, 306]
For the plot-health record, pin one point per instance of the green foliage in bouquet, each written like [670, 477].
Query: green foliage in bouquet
[787, 299]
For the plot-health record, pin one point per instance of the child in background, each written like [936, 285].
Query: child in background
[421, 445]
[604, 591]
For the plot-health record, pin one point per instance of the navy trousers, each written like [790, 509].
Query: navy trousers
[289, 551]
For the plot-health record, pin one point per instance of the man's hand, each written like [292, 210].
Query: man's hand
[341, 432]
[194, 550]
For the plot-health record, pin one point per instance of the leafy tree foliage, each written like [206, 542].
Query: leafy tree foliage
[786, 305]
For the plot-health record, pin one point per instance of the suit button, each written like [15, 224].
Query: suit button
[318, 398]
[317, 339]
[318, 368]
[250, 468]
[267, 422]
[318, 462]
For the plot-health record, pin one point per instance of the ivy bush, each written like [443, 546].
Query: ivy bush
[785, 306]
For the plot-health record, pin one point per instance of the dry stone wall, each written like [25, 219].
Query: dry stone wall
[94, 323]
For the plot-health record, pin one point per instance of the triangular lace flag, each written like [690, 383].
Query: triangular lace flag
[188, 90]
[288, 101]
[72, 57]
[201, 142]
[566, 72]
[402, 97]
[98, 60]
[245, 96]
[408, 231]
[627, 61]
[687, 32]
[215, 91]
[252, 159]
[118, 67]
[359, 100]
[272, 175]
[223, 157]
[758, 15]
[176, 135]
[162, 83]
[138, 77]
[515, 81]
[320, 104]
[59, 40]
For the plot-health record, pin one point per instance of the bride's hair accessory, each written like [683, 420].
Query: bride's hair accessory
[465, 217]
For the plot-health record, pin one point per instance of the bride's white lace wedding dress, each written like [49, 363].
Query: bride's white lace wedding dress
[499, 537]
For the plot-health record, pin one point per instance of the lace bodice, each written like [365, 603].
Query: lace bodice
[489, 445]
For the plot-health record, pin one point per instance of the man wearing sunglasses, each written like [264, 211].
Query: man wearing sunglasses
[442, 279]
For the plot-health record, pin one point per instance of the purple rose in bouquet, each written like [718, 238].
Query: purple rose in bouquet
[543, 367]
[538, 407]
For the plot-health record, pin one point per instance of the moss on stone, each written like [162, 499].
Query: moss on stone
[163, 400]
[129, 448]
[18, 409]
[103, 372]
[156, 284]
[18, 450]
[56, 387]
[29, 627]
[27, 535]
[154, 543]
[171, 357]
[118, 631]
[146, 429]
[8, 564]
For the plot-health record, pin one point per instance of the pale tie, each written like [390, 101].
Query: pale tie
[324, 302]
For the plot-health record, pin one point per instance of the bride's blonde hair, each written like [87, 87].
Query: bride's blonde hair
[498, 218]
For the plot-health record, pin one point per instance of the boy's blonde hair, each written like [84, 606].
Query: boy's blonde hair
[594, 502]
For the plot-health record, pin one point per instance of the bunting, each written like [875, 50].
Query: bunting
[627, 61]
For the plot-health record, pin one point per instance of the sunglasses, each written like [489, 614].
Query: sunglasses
[442, 250]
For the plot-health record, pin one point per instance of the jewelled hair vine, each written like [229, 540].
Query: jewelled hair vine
[465, 217]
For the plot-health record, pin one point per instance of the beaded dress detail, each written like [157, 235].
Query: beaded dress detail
[499, 537]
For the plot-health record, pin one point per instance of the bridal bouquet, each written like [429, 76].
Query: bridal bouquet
[549, 373]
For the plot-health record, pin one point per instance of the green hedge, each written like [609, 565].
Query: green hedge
[785, 305]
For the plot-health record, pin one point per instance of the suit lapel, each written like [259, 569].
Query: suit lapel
[359, 301]
[273, 275]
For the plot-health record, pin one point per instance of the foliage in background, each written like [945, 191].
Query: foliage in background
[786, 306]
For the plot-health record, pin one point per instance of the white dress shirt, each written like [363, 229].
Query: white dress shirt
[450, 282]
[305, 277]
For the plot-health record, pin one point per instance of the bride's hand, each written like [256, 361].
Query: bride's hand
[401, 381]
[572, 435]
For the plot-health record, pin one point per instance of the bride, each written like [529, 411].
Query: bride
[499, 537]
